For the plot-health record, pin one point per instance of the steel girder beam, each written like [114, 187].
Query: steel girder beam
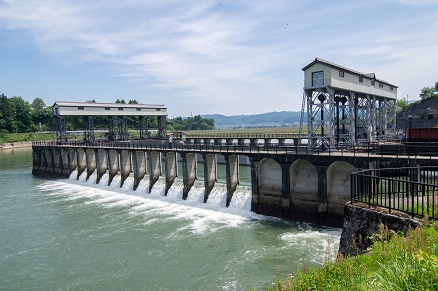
[118, 128]
[123, 128]
[320, 117]
[90, 131]
[161, 126]
[60, 131]
[144, 127]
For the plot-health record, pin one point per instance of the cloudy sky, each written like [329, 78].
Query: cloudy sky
[202, 57]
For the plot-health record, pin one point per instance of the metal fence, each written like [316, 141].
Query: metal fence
[360, 150]
[411, 190]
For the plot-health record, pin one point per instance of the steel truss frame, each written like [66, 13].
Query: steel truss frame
[60, 130]
[337, 117]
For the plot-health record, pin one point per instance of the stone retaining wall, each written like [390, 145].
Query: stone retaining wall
[15, 145]
[361, 222]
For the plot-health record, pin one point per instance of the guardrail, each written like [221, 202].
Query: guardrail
[411, 190]
[249, 135]
[360, 150]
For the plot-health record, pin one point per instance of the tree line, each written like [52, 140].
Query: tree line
[19, 116]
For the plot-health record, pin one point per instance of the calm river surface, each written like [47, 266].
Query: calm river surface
[66, 234]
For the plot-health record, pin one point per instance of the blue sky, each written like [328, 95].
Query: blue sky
[202, 57]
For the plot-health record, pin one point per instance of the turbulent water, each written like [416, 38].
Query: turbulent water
[71, 234]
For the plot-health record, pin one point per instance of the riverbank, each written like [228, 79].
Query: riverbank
[15, 145]
[395, 262]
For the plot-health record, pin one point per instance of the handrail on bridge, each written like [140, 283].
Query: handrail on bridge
[248, 135]
[411, 190]
[360, 150]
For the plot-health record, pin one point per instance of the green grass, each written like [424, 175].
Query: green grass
[22, 137]
[396, 262]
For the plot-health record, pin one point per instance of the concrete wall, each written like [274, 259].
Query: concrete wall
[90, 155]
[269, 187]
[102, 163]
[304, 187]
[189, 164]
[171, 167]
[154, 168]
[139, 165]
[338, 190]
[125, 165]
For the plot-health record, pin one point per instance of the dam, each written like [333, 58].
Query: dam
[289, 182]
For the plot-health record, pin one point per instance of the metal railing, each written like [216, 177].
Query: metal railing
[359, 150]
[411, 190]
[248, 135]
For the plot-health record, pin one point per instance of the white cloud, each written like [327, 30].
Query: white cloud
[240, 57]
[418, 2]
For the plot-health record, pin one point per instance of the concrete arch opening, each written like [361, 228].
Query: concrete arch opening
[338, 186]
[270, 178]
[304, 186]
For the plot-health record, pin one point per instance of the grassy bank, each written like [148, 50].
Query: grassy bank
[22, 137]
[395, 262]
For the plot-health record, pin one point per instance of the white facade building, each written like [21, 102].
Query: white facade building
[117, 114]
[346, 106]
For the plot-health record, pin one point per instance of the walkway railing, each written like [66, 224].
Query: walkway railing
[249, 135]
[411, 190]
[360, 150]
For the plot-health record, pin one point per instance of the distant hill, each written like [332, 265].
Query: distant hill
[271, 119]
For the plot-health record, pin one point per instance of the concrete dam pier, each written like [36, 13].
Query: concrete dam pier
[297, 185]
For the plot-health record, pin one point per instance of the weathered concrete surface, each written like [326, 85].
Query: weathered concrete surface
[360, 223]
[15, 145]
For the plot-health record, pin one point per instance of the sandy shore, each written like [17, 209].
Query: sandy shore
[15, 145]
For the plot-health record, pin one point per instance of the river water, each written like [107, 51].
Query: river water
[69, 234]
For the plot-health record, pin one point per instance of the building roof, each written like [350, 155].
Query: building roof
[114, 105]
[370, 76]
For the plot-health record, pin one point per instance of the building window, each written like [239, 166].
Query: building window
[120, 108]
[107, 108]
[341, 74]
[380, 85]
[138, 109]
[372, 83]
[391, 88]
[158, 109]
[80, 108]
[318, 79]
[360, 79]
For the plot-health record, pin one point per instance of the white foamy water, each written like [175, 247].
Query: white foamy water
[203, 216]
[241, 198]
[218, 196]
[196, 193]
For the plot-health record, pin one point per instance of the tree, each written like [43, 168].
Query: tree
[133, 102]
[191, 123]
[7, 119]
[427, 92]
[42, 115]
[401, 104]
[38, 104]
[23, 115]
